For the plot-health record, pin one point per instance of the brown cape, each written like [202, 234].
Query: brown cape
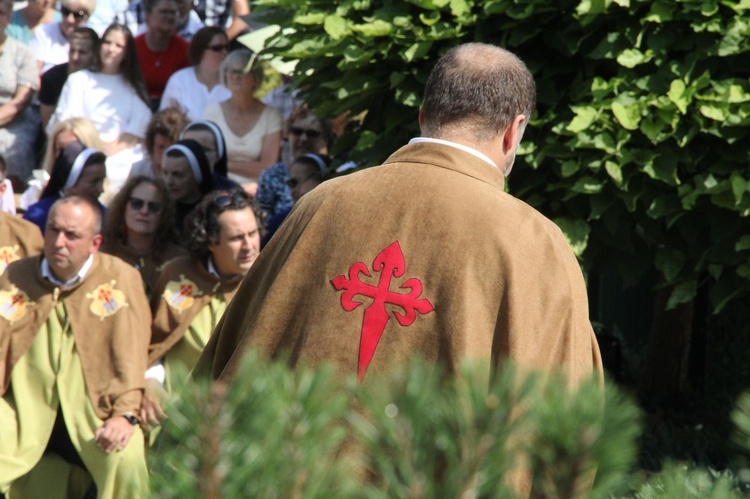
[171, 321]
[18, 239]
[150, 265]
[500, 279]
[110, 319]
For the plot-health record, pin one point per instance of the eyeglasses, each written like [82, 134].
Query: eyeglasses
[236, 72]
[311, 133]
[225, 199]
[138, 203]
[294, 182]
[78, 15]
[224, 47]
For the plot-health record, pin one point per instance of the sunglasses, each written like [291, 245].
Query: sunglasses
[294, 182]
[78, 15]
[138, 203]
[225, 199]
[297, 132]
[224, 47]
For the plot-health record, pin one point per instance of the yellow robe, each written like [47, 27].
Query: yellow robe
[84, 350]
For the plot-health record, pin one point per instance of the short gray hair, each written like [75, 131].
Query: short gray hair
[479, 88]
[241, 57]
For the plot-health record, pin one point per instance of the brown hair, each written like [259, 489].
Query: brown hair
[129, 68]
[115, 230]
[168, 122]
[200, 41]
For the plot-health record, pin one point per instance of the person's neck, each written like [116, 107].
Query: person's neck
[210, 78]
[244, 103]
[158, 41]
[140, 244]
[191, 199]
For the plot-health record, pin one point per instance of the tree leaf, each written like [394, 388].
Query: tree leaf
[335, 26]
[629, 116]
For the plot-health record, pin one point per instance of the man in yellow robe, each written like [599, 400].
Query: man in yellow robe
[74, 331]
[18, 238]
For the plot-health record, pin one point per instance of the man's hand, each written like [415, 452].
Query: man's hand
[114, 434]
[151, 413]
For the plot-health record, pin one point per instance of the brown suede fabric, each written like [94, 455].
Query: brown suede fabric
[112, 347]
[171, 323]
[501, 277]
[18, 239]
[150, 265]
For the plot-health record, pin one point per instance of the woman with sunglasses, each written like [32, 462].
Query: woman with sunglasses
[306, 135]
[198, 86]
[223, 239]
[140, 228]
[251, 129]
[78, 170]
[113, 97]
[306, 173]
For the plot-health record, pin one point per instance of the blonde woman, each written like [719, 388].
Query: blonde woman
[63, 134]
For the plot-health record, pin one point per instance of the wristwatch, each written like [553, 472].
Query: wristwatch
[131, 419]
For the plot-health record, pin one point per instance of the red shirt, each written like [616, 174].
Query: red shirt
[157, 67]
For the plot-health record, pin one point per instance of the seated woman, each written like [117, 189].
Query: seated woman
[140, 228]
[197, 86]
[209, 136]
[186, 173]
[307, 135]
[163, 130]
[113, 97]
[78, 170]
[251, 129]
[19, 79]
[64, 133]
[223, 238]
[306, 173]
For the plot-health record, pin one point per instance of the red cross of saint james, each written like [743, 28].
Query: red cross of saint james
[390, 263]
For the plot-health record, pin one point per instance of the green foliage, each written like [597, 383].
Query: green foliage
[641, 128]
[418, 433]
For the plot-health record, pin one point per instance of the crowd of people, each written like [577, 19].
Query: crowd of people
[127, 237]
[155, 205]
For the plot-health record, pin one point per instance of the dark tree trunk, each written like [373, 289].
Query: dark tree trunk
[664, 374]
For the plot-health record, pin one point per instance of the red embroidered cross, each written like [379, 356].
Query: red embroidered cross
[185, 290]
[390, 263]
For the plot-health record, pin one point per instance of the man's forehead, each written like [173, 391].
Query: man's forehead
[70, 217]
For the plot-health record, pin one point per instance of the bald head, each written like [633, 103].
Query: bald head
[478, 90]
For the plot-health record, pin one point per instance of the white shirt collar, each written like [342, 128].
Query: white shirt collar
[211, 269]
[468, 149]
[47, 274]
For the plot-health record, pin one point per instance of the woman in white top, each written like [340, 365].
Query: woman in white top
[196, 87]
[251, 129]
[113, 97]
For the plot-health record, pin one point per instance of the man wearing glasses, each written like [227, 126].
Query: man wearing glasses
[50, 41]
[223, 238]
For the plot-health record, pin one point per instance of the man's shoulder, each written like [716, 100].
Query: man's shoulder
[56, 73]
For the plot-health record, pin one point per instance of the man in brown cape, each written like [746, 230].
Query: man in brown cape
[18, 238]
[74, 330]
[425, 254]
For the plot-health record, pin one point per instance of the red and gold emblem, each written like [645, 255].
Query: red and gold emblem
[180, 295]
[13, 304]
[8, 255]
[106, 300]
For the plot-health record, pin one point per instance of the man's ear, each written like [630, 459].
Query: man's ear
[3, 187]
[96, 243]
[513, 134]
[420, 118]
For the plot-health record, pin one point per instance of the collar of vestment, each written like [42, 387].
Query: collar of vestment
[463, 147]
[451, 157]
[214, 272]
[73, 281]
